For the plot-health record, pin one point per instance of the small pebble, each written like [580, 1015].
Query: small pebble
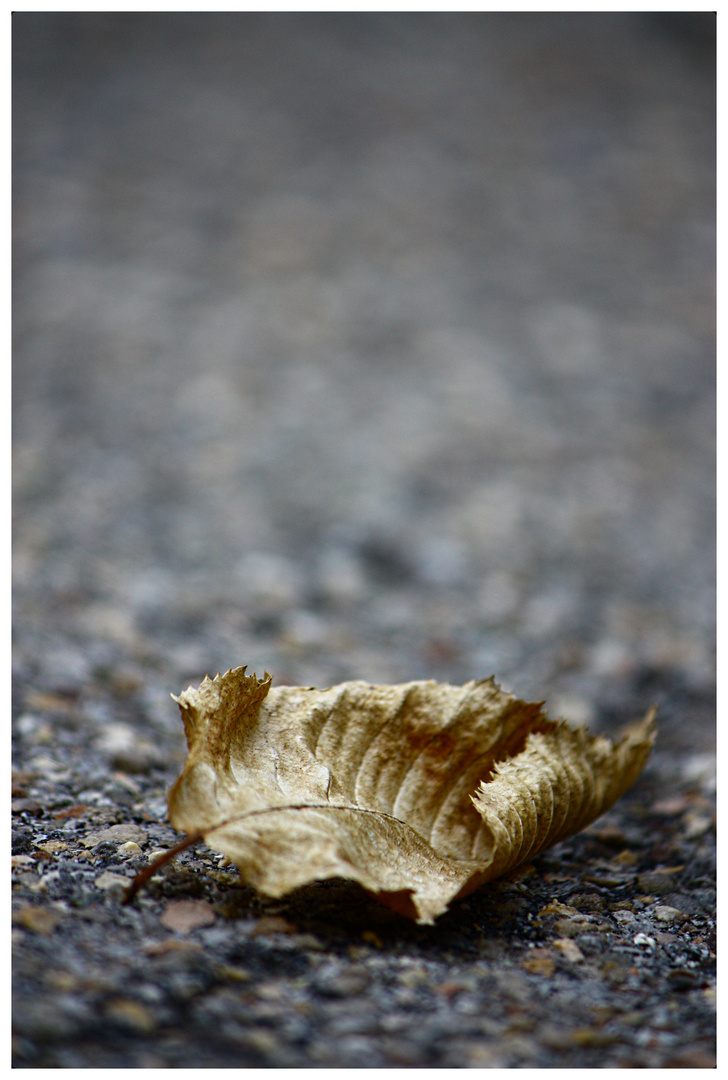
[157, 853]
[348, 983]
[129, 849]
[569, 950]
[663, 913]
[62, 981]
[171, 945]
[644, 941]
[569, 928]
[27, 806]
[21, 861]
[673, 804]
[272, 924]
[595, 1037]
[110, 881]
[131, 1014]
[696, 825]
[39, 920]
[682, 978]
[625, 858]
[21, 840]
[260, 1040]
[182, 916]
[233, 974]
[115, 834]
[588, 902]
[539, 962]
[55, 1018]
[610, 834]
[591, 944]
[656, 883]
[53, 847]
[139, 759]
[606, 880]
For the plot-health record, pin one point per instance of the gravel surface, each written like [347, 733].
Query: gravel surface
[361, 347]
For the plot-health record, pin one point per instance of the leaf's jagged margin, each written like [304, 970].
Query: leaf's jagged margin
[512, 816]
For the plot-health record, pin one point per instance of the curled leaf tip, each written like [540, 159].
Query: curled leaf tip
[419, 792]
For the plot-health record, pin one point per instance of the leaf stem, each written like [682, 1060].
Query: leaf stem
[149, 871]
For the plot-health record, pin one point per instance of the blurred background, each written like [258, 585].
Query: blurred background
[366, 346]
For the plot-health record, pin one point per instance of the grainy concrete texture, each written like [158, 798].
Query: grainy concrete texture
[361, 347]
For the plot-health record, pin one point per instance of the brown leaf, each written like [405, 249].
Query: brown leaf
[419, 792]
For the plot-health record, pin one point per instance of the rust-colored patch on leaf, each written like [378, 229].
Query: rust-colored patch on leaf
[419, 792]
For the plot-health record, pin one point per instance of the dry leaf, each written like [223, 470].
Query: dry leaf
[419, 792]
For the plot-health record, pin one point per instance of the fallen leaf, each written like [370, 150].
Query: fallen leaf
[419, 792]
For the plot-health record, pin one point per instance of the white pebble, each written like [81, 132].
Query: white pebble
[156, 854]
[644, 940]
[663, 913]
[128, 849]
